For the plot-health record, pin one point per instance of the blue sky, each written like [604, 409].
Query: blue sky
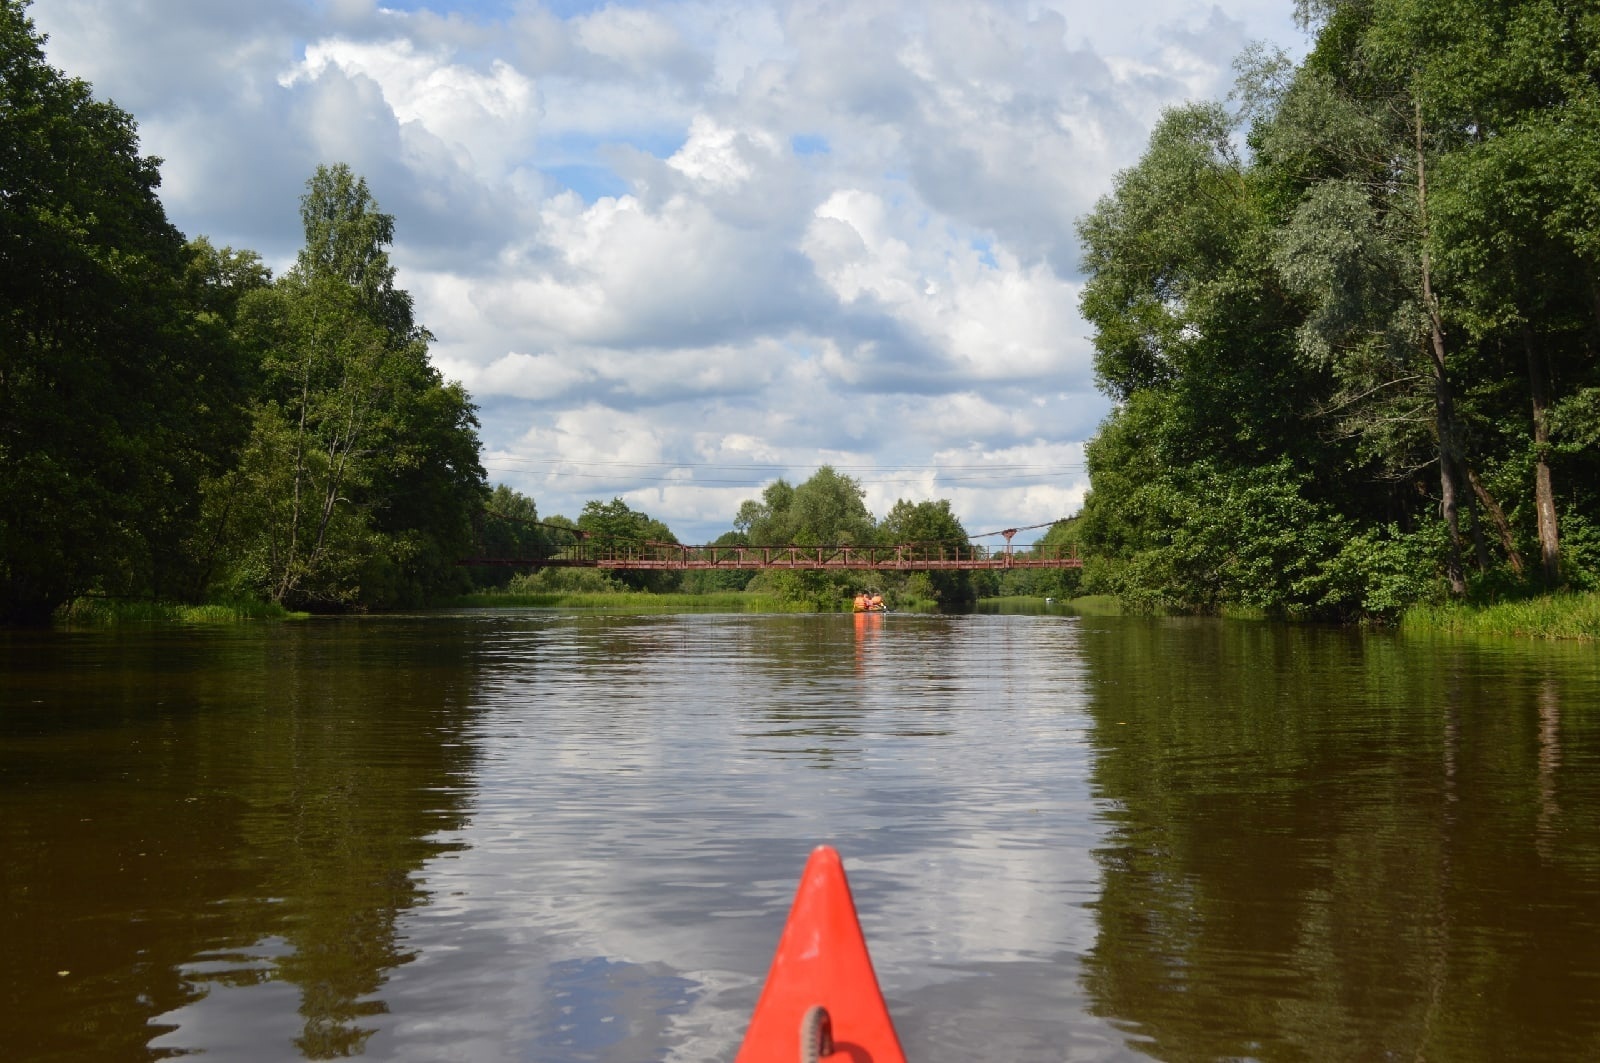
[676, 248]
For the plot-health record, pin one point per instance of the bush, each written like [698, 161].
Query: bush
[1378, 574]
[563, 581]
[1580, 551]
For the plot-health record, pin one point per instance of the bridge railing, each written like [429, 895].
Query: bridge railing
[910, 557]
[907, 557]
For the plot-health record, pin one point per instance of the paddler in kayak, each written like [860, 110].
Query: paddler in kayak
[869, 602]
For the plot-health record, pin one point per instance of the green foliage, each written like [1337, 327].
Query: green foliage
[767, 522]
[1063, 538]
[1378, 574]
[614, 523]
[706, 581]
[1550, 616]
[361, 478]
[614, 526]
[116, 397]
[931, 526]
[1315, 348]
[95, 611]
[1580, 550]
[1153, 247]
[174, 422]
[1206, 538]
[812, 591]
[563, 580]
[509, 529]
[1184, 299]
[826, 510]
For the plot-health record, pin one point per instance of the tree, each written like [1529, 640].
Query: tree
[1517, 211]
[826, 510]
[1357, 248]
[1469, 131]
[1403, 262]
[616, 526]
[509, 529]
[361, 477]
[219, 279]
[767, 522]
[932, 527]
[116, 397]
[1194, 342]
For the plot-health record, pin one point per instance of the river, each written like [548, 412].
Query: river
[495, 836]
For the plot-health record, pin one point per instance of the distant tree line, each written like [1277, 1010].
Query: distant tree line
[825, 510]
[1351, 326]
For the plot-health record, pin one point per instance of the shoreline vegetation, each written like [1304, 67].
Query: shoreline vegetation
[100, 611]
[1565, 616]
[1550, 616]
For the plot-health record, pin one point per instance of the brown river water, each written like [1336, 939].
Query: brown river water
[554, 837]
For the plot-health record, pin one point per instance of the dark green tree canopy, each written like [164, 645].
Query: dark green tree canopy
[616, 526]
[116, 398]
[828, 510]
[615, 522]
[921, 522]
[1377, 327]
[362, 480]
[346, 243]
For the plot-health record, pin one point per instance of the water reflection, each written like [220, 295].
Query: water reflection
[1335, 846]
[1549, 763]
[541, 836]
[644, 813]
[193, 817]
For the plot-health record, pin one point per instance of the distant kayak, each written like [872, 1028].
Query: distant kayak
[868, 602]
[821, 1000]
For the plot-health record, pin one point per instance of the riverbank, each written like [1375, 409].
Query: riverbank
[109, 612]
[1555, 616]
[1550, 616]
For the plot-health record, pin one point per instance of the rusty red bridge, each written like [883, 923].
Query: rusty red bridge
[947, 556]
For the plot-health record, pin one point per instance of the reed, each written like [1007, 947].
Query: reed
[97, 611]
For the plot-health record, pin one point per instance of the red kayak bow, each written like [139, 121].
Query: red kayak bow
[821, 1000]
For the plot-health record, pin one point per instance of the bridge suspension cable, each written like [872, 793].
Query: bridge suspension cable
[1009, 532]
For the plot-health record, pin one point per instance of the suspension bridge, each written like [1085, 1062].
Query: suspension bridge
[595, 551]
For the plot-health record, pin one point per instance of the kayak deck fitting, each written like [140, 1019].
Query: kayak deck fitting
[821, 1000]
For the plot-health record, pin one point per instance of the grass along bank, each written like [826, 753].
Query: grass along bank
[93, 611]
[1550, 616]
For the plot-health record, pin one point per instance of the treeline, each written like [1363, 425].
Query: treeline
[177, 423]
[1350, 324]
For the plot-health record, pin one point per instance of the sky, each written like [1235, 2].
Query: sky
[678, 249]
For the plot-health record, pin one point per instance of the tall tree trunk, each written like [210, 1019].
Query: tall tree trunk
[1480, 546]
[1544, 498]
[1443, 399]
[1497, 517]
